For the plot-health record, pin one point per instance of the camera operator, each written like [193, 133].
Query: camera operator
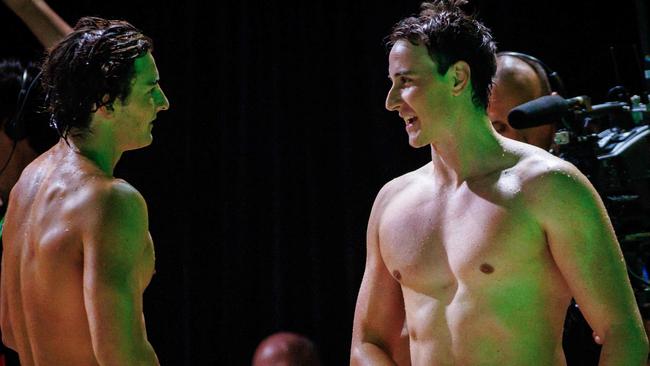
[521, 78]
[24, 133]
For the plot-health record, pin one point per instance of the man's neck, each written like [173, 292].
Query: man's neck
[98, 148]
[470, 151]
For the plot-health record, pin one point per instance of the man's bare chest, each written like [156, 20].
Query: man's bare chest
[433, 241]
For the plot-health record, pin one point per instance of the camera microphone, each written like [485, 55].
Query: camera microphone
[545, 110]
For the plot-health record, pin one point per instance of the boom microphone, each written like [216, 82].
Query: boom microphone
[545, 110]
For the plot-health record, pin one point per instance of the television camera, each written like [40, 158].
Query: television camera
[610, 144]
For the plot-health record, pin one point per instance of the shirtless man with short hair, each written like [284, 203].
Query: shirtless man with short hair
[77, 250]
[473, 258]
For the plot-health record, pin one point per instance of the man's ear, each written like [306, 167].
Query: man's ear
[106, 110]
[461, 75]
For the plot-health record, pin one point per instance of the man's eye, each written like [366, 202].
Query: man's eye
[499, 127]
[405, 80]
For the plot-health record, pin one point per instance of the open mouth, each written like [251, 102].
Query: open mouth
[410, 121]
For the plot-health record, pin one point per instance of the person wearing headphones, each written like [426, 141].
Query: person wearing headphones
[521, 78]
[24, 131]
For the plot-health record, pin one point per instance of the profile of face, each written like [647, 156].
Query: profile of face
[516, 83]
[418, 92]
[137, 112]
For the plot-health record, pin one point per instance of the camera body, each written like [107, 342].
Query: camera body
[610, 144]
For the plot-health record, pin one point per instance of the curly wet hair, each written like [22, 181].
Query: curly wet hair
[451, 35]
[91, 68]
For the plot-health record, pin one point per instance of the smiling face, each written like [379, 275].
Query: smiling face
[418, 93]
[135, 115]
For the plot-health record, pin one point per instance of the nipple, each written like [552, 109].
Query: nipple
[486, 268]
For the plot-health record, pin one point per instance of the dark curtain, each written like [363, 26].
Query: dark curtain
[263, 172]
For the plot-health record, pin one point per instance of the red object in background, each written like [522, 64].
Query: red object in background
[2, 360]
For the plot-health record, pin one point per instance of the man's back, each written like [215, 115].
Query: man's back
[53, 211]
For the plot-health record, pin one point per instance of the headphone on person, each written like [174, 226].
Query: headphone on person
[552, 77]
[15, 127]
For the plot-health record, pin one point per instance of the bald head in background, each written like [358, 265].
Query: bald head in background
[286, 349]
[517, 82]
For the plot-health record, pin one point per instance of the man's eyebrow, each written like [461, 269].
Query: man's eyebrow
[401, 73]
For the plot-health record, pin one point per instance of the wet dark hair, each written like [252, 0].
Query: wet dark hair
[450, 35]
[91, 68]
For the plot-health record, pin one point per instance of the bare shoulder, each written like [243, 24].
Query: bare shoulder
[115, 228]
[550, 184]
[401, 184]
[114, 191]
[112, 198]
[59, 176]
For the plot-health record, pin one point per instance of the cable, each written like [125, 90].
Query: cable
[11, 154]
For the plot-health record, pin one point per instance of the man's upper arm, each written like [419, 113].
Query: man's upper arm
[379, 315]
[115, 238]
[584, 247]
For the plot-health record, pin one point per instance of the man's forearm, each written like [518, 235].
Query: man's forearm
[368, 354]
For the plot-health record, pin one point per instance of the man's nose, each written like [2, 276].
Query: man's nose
[393, 99]
[163, 104]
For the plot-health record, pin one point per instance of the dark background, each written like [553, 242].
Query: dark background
[263, 172]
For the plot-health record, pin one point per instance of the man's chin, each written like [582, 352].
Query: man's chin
[141, 145]
[416, 144]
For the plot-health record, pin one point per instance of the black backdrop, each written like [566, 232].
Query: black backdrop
[262, 174]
